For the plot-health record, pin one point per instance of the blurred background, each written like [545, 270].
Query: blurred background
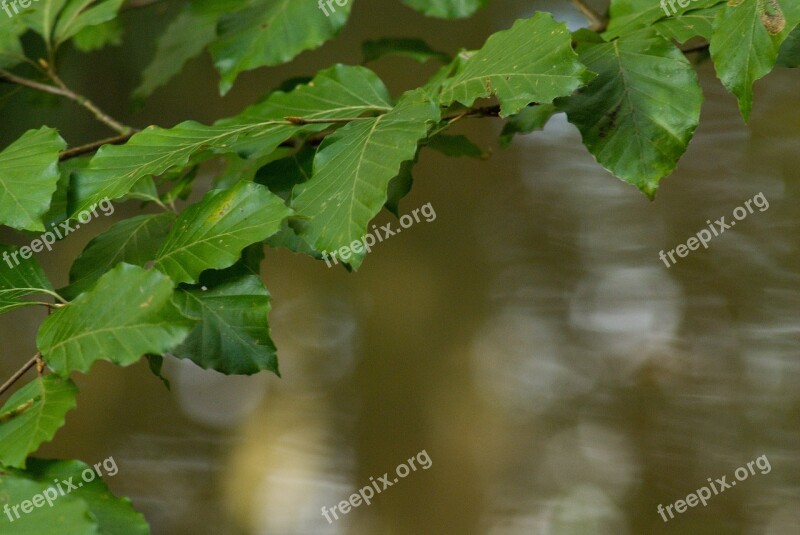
[561, 379]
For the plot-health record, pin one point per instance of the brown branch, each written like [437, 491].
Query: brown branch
[99, 114]
[597, 22]
[300, 121]
[93, 146]
[14, 79]
[22, 371]
[488, 111]
[60, 89]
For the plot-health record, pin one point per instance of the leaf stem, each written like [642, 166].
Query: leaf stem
[300, 121]
[57, 297]
[19, 373]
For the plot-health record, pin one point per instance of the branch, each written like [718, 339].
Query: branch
[22, 371]
[14, 79]
[60, 89]
[300, 121]
[93, 146]
[597, 22]
[488, 111]
[99, 114]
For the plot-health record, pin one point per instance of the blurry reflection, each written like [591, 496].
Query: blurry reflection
[627, 310]
[214, 399]
[519, 365]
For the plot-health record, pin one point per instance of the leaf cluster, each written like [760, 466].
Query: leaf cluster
[307, 167]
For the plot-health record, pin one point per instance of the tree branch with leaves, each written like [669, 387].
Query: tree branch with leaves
[307, 167]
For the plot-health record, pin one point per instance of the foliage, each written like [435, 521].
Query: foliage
[307, 167]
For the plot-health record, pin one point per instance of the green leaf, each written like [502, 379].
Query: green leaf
[434, 86]
[232, 335]
[288, 238]
[526, 121]
[127, 314]
[185, 38]
[57, 213]
[97, 37]
[745, 45]
[338, 92]
[68, 516]
[19, 277]
[212, 233]
[281, 176]
[133, 241]
[238, 168]
[80, 14]
[447, 9]
[352, 170]
[400, 186]
[28, 177]
[637, 125]
[41, 17]
[531, 62]
[416, 49]
[790, 50]
[59, 20]
[155, 363]
[272, 32]
[628, 16]
[454, 146]
[32, 416]
[115, 516]
[696, 23]
[145, 190]
[11, 52]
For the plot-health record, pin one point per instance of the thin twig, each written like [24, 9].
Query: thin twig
[99, 114]
[487, 111]
[93, 146]
[22, 371]
[60, 89]
[597, 22]
[14, 79]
